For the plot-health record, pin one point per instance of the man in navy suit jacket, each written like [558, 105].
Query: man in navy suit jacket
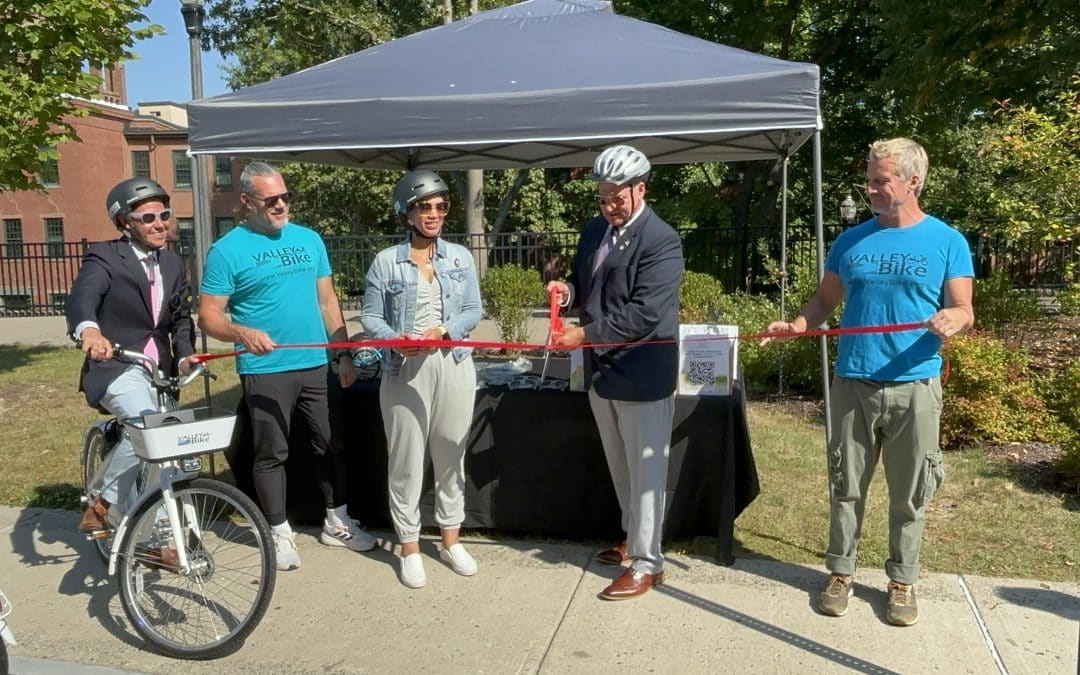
[625, 278]
[129, 292]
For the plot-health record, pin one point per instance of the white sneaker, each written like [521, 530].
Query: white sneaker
[459, 559]
[412, 571]
[287, 557]
[348, 535]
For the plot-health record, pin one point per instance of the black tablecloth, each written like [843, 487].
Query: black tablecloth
[535, 465]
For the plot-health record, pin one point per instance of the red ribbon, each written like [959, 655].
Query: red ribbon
[556, 320]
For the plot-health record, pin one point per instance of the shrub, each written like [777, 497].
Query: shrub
[509, 292]
[1070, 462]
[990, 396]
[1069, 300]
[1005, 311]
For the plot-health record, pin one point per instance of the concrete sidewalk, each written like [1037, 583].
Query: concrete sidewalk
[533, 608]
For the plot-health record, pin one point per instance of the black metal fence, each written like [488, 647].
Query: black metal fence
[35, 277]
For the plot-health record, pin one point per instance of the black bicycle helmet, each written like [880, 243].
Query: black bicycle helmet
[412, 187]
[129, 193]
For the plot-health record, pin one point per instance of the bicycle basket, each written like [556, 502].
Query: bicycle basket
[182, 433]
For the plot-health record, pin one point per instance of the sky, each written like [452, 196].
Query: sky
[163, 70]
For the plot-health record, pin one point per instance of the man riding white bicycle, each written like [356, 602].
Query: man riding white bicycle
[130, 292]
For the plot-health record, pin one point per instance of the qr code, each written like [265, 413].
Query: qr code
[701, 372]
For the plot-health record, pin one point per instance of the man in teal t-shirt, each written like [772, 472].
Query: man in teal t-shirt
[267, 283]
[902, 266]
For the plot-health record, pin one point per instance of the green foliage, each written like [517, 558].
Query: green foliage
[509, 292]
[1070, 461]
[991, 397]
[44, 47]
[1005, 311]
[1068, 300]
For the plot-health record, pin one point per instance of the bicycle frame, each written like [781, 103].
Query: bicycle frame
[170, 473]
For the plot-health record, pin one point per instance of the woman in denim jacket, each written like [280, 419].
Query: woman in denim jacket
[425, 288]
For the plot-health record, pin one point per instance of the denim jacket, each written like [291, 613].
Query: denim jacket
[390, 296]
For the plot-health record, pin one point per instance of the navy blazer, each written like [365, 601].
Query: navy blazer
[633, 297]
[112, 290]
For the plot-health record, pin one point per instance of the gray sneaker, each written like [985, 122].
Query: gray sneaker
[833, 600]
[285, 548]
[902, 609]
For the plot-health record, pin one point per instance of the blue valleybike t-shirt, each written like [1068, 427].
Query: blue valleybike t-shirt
[270, 280]
[895, 275]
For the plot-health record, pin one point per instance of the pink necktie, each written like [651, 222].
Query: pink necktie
[151, 349]
[605, 248]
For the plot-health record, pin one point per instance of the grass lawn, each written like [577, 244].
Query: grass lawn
[981, 522]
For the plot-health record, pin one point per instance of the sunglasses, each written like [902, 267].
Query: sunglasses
[148, 217]
[614, 200]
[271, 201]
[428, 207]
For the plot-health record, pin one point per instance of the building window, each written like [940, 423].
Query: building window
[13, 238]
[181, 165]
[12, 302]
[222, 173]
[185, 230]
[140, 163]
[223, 225]
[58, 301]
[50, 173]
[54, 237]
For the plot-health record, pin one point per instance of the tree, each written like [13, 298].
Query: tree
[45, 47]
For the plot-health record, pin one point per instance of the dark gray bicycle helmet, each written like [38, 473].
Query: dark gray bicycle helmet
[129, 193]
[412, 187]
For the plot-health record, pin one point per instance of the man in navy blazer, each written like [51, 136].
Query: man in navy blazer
[625, 279]
[131, 292]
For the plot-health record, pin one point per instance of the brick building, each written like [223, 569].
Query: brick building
[44, 233]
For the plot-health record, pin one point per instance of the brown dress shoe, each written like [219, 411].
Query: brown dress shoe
[164, 557]
[616, 555]
[631, 584]
[95, 517]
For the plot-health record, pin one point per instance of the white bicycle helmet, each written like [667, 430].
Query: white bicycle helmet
[621, 164]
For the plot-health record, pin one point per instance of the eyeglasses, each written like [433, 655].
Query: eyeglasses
[614, 200]
[428, 207]
[148, 217]
[271, 201]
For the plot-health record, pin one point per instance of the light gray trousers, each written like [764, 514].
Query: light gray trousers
[427, 407]
[636, 436]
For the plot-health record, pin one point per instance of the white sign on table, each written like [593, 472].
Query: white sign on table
[708, 359]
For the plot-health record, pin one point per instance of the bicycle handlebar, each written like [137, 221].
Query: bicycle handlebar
[155, 373]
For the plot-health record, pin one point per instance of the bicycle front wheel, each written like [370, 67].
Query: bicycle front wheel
[208, 609]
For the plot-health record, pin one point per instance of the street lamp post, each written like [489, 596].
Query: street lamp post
[194, 13]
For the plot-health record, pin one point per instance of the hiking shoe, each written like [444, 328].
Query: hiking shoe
[901, 610]
[459, 560]
[348, 535]
[412, 571]
[285, 549]
[833, 600]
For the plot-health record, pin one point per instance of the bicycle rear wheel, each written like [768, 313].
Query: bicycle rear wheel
[209, 609]
[94, 452]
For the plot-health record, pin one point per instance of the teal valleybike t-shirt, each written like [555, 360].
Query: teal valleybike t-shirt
[895, 275]
[271, 283]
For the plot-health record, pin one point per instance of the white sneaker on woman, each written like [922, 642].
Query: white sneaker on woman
[285, 549]
[412, 571]
[459, 560]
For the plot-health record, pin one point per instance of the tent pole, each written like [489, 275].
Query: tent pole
[783, 256]
[819, 234]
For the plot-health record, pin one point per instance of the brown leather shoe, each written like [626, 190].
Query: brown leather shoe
[616, 555]
[96, 517]
[631, 584]
[165, 558]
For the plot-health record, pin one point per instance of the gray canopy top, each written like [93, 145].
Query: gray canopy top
[541, 83]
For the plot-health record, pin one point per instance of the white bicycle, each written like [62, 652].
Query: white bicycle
[6, 636]
[194, 556]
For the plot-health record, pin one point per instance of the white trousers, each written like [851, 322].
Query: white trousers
[636, 436]
[427, 408]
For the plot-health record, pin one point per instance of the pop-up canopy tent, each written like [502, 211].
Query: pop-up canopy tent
[543, 83]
